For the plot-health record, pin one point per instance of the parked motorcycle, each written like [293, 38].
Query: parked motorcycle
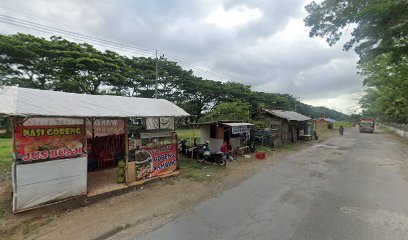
[186, 150]
[205, 155]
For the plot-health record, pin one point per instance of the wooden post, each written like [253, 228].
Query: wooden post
[86, 151]
[130, 167]
[175, 141]
[126, 151]
[13, 136]
[192, 152]
[13, 171]
[86, 138]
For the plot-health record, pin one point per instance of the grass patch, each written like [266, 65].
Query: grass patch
[285, 146]
[196, 171]
[5, 155]
[187, 133]
[344, 124]
[184, 133]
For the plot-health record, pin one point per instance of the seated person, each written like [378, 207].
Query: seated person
[225, 149]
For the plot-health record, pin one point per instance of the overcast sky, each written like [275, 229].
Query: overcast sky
[261, 43]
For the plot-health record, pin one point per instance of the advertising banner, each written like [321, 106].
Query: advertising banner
[239, 129]
[102, 127]
[155, 161]
[42, 143]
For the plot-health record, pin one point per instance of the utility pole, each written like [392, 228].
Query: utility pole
[296, 99]
[157, 75]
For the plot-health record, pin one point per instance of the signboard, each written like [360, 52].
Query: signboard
[102, 127]
[42, 143]
[239, 129]
[156, 161]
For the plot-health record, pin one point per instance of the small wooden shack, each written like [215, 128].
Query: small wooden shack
[285, 126]
[219, 131]
[324, 123]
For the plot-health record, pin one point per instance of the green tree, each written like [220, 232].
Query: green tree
[387, 95]
[24, 61]
[62, 65]
[228, 111]
[84, 69]
[380, 38]
[200, 95]
[379, 26]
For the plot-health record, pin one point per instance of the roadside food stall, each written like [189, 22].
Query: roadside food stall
[66, 144]
[235, 133]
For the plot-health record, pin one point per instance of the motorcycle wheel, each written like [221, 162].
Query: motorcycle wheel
[200, 158]
[222, 162]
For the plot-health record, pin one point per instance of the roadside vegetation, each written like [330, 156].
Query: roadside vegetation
[344, 124]
[379, 36]
[61, 65]
[5, 155]
[184, 133]
[196, 171]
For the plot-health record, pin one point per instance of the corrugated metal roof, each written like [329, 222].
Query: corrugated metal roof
[330, 120]
[15, 101]
[289, 115]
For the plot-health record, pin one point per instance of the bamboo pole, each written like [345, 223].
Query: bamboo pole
[175, 141]
[126, 150]
[192, 152]
[13, 136]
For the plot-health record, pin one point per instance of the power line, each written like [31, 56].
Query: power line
[130, 48]
[77, 36]
[196, 69]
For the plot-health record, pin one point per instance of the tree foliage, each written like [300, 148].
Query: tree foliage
[380, 38]
[61, 65]
[228, 111]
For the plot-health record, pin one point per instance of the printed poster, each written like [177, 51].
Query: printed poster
[239, 129]
[43, 143]
[105, 127]
[155, 161]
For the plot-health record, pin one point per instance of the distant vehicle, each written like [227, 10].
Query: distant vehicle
[367, 125]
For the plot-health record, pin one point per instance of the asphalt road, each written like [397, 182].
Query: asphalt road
[353, 186]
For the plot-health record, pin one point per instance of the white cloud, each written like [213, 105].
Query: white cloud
[347, 103]
[261, 43]
[234, 17]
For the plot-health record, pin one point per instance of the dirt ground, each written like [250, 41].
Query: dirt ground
[135, 210]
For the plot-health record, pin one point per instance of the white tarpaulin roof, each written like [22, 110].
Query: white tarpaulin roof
[289, 115]
[15, 101]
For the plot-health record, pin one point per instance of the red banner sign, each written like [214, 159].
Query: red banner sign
[40, 143]
[156, 161]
